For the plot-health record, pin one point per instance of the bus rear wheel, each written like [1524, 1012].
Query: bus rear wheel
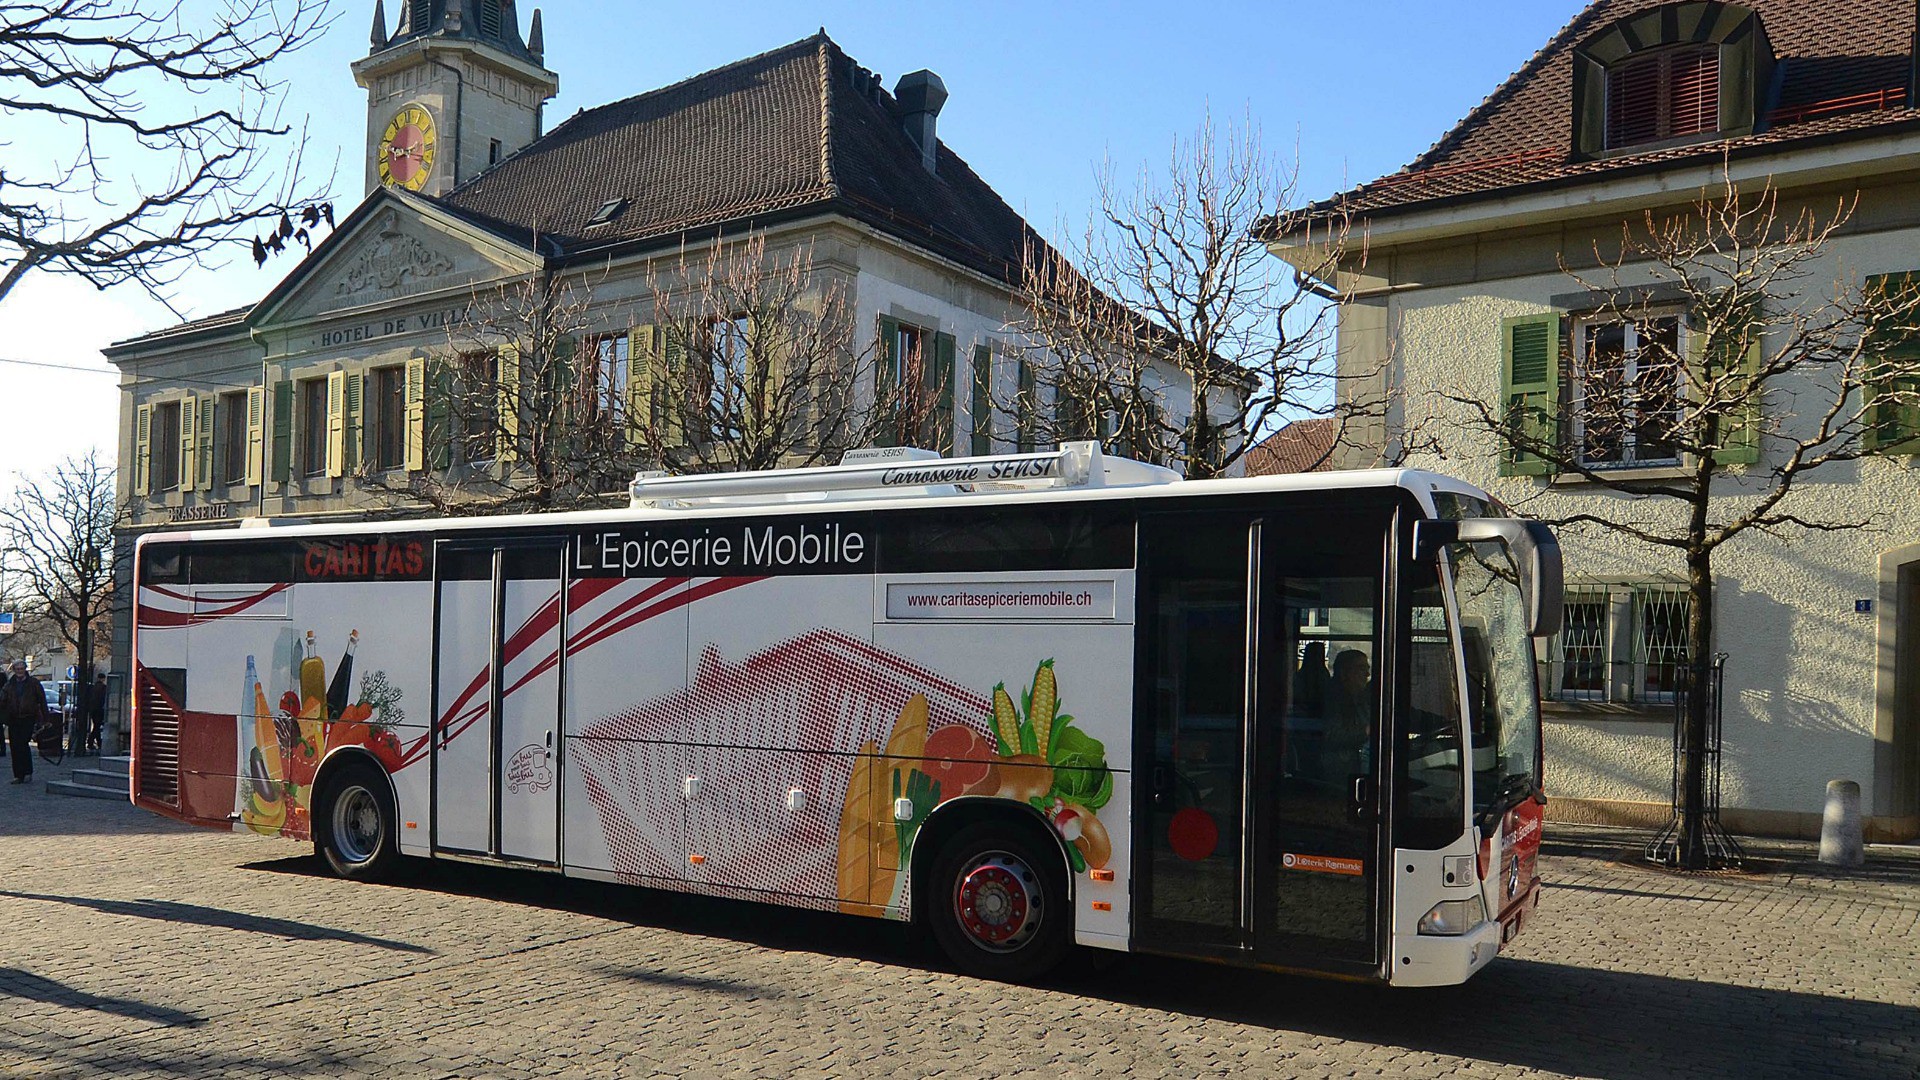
[353, 826]
[998, 903]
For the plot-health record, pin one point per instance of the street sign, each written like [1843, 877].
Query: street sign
[72, 672]
[6, 622]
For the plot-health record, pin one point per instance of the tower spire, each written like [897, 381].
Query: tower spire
[379, 25]
[537, 38]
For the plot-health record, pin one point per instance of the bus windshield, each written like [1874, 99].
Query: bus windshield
[1502, 707]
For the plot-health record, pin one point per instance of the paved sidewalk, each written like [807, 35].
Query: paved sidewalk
[137, 948]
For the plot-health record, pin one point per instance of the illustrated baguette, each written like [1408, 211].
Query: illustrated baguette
[859, 823]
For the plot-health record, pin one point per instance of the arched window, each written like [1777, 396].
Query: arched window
[1676, 72]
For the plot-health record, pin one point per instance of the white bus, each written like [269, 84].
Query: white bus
[1030, 701]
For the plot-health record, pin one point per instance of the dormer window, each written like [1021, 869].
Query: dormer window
[1665, 94]
[607, 212]
[1671, 73]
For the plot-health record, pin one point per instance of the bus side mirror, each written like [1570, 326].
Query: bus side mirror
[1534, 551]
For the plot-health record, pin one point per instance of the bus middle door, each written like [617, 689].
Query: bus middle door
[496, 747]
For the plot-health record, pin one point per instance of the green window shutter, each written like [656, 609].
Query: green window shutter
[439, 413]
[1731, 358]
[1892, 412]
[416, 404]
[189, 445]
[884, 390]
[673, 386]
[205, 415]
[643, 367]
[282, 431]
[142, 449]
[506, 403]
[336, 423]
[942, 372]
[1529, 392]
[981, 408]
[256, 434]
[356, 425]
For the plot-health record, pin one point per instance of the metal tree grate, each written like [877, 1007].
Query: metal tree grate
[1723, 852]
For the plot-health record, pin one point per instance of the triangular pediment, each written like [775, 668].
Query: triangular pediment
[388, 251]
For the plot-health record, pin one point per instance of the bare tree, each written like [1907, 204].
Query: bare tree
[524, 413]
[62, 549]
[165, 116]
[749, 362]
[1784, 371]
[1168, 327]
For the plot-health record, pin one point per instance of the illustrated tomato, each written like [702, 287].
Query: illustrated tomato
[961, 760]
[304, 759]
[386, 746]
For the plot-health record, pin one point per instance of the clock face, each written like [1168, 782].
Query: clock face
[407, 148]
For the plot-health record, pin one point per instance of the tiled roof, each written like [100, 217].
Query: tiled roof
[230, 318]
[797, 128]
[1302, 446]
[1844, 69]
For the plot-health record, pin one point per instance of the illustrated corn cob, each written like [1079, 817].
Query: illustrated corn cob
[1006, 721]
[1043, 703]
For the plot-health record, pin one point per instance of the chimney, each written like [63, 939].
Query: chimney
[921, 94]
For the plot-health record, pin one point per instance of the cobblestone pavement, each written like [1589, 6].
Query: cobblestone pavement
[138, 948]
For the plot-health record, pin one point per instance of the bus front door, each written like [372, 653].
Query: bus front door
[496, 746]
[1258, 833]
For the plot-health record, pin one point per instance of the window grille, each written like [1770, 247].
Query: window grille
[1660, 642]
[490, 18]
[1581, 648]
[1624, 643]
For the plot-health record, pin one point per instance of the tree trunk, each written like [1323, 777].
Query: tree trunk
[1693, 765]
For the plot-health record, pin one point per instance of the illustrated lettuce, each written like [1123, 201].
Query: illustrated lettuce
[1080, 773]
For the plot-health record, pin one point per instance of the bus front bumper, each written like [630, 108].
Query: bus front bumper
[1444, 961]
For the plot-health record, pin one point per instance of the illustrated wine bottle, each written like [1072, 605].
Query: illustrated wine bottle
[313, 673]
[248, 706]
[342, 684]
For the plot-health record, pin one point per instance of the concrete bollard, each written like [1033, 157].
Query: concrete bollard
[1840, 839]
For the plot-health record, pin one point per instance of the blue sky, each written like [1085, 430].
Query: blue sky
[1040, 95]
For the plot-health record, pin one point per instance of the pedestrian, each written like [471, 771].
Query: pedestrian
[24, 706]
[96, 712]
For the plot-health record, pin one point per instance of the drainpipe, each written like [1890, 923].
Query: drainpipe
[266, 410]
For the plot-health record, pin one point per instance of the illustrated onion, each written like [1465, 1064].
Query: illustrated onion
[1094, 843]
[1025, 777]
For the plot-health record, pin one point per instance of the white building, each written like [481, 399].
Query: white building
[1637, 107]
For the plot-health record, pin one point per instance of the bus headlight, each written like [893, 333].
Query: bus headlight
[1451, 918]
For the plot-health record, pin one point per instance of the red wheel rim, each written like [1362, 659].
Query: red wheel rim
[997, 902]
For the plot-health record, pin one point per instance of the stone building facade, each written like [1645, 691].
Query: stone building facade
[1492, 242]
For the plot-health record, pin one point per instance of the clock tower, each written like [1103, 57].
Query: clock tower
[452, 90]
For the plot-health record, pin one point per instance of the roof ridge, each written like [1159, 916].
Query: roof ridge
[828, 182]
[1507, 87]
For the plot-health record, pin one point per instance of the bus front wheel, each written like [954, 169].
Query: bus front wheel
[354, 825]
[999, 903]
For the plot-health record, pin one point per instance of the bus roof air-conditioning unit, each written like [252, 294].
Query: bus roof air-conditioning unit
[905, 471]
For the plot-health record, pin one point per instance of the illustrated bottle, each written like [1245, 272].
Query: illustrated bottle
[266, 740]
[342, 685]
[250, 695]
[313, 673]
